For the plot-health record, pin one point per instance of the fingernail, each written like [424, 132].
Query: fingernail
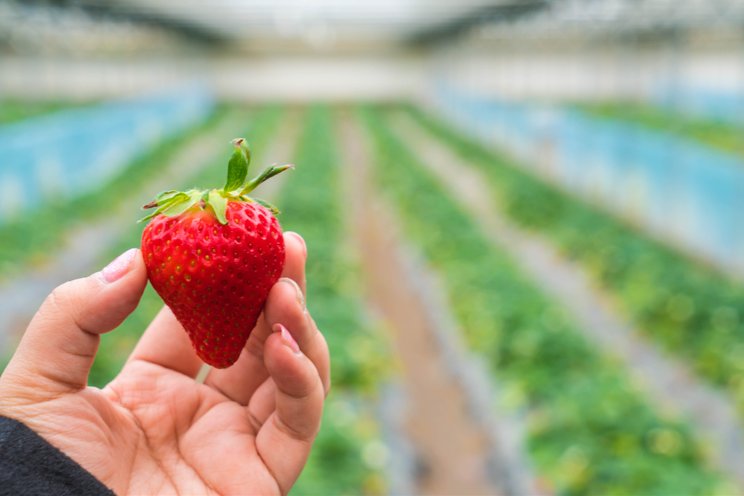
[301, 240]
[119, 266]
[298, 292]
[287, 338]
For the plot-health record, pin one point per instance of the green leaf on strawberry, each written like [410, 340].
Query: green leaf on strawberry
[218, 204]
[182, 203]
[173, 203]
[237, 169]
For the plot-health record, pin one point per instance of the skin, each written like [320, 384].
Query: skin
[154, 430]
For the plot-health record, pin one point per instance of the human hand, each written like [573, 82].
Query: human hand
[247, 430]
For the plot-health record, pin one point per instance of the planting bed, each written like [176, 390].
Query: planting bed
[347, 457]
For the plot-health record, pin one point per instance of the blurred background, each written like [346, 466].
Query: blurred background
[524, 217]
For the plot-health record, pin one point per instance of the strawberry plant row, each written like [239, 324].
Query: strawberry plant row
[718, 134]
[346, 458]
[16, 110]
[34, 235]
[691, 310]
[589, 430]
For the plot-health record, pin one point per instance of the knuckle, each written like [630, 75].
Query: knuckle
[304, 430]
[57, 301]
[62, 301]
[63, 296]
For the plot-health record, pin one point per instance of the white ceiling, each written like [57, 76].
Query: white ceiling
[249, 19]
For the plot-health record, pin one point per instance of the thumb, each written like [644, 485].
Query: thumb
[58, 348]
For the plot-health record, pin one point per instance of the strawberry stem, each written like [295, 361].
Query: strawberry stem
[268, 173]
[173, 203]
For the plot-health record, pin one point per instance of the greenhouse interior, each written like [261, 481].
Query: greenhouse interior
[523, 221]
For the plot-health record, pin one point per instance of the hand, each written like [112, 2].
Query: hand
[247, 430]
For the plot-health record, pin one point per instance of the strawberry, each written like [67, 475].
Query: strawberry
[213, 256]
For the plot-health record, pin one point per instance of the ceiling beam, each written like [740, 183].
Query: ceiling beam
[484, 15]
[112, 10]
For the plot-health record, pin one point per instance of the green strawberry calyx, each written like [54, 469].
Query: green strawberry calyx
[173, 203]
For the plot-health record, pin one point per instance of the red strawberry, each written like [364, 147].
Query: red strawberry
[213, 257]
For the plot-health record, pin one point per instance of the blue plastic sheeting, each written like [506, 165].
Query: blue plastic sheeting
[69, 152]
[681, 191]
[721, 105]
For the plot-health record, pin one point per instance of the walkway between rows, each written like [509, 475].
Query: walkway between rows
[458, 446]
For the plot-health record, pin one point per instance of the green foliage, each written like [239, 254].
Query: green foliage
[691, 310]
[590, 432]
[16, 110]
[714, 133]
[311, 205]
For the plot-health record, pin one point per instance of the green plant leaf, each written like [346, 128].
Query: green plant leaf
[219, 205]
[243, 144]
[164, 201]
[237, 168]
[179, 206]
[166, 195]
[148, 217]
[163, 198]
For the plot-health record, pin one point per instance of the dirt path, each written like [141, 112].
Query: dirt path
[20, 297]
[455, 452]
[667, 382]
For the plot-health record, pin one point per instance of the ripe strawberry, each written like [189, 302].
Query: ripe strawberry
[213, 255]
